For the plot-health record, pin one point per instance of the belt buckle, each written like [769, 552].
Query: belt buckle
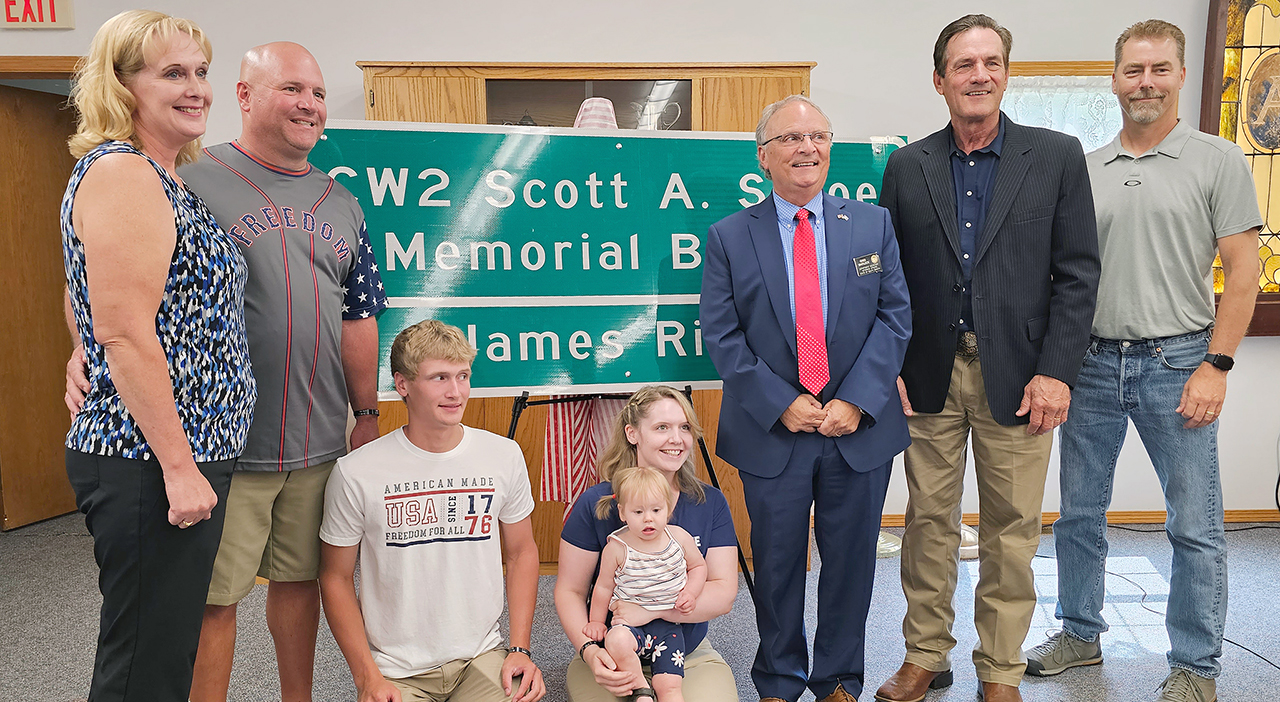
[967, 344]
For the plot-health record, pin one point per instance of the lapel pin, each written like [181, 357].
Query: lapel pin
[842, 216]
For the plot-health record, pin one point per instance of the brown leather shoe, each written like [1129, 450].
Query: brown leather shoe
[911, 682]
[996, 692]
[839, 695]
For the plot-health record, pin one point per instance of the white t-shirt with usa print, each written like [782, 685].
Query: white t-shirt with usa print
[431, 583]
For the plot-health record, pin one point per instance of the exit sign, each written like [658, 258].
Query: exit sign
[39, 14]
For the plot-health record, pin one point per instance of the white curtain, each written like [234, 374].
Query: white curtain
[1081, 106]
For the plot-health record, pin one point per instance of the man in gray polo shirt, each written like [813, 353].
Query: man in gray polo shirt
[1167, 197]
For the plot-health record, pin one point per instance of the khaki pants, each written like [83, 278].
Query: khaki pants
[1011, 468]
[476, 680]
[707, 678]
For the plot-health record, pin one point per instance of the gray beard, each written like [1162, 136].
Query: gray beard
[1145, 114]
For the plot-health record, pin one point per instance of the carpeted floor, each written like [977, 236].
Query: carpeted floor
[49, 602]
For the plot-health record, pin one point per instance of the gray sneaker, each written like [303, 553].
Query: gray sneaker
[1061, 652]
[1185, 686]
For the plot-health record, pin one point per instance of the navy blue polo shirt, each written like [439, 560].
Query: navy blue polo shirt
[974, 177]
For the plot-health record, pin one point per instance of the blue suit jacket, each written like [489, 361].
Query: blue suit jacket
[751, 335]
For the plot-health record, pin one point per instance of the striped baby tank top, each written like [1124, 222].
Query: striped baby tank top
[651, 580]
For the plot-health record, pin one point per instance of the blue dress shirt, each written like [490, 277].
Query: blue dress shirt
[974, 177]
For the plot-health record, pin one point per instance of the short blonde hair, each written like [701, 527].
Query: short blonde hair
[634, 483]
[429, 338]
[620, 453]
[1153, 29]
[117, 54]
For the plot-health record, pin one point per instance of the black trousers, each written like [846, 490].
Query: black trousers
[153, 576]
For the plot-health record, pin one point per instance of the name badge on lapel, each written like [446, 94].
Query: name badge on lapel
[868, 264]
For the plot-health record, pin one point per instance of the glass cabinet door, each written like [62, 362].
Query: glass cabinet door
[637, 104]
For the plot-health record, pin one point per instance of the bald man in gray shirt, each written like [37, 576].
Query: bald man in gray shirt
[310, 302]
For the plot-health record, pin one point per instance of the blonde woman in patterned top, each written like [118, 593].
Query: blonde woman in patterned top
[155, 297]
[655, 565]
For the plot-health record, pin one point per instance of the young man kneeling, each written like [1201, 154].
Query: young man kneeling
[422, 507]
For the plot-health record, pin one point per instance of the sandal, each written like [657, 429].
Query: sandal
[642, 692]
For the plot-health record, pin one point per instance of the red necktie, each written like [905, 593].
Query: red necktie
[811, 338]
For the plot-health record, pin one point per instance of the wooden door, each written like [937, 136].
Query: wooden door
[733, 104]
[34, 343]
[406, 95]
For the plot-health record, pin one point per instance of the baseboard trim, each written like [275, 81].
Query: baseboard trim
[1231, 516]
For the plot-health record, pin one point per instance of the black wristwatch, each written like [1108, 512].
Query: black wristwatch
[365, 413]
[1221, 361]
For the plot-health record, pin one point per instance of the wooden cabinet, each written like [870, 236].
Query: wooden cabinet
[725, 97]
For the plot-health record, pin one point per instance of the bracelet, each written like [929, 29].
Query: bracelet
[365, 413]
[520, 649]
[582, 652]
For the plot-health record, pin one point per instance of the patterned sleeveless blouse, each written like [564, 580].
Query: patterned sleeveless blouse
[200, 325]
[651, 580]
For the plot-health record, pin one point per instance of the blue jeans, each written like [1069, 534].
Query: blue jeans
[1143, 381]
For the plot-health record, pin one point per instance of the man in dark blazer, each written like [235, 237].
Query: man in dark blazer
[805, 315]
[1000, 250]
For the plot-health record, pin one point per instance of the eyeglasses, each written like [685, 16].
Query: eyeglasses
[794, 138]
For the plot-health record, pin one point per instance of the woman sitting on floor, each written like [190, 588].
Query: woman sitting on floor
[657, 428]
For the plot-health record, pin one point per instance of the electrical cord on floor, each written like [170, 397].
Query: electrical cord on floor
[1143, 604]
[1143, 601]
[1160, 529]
[1278, 473]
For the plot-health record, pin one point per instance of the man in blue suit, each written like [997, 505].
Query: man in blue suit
[805, 315]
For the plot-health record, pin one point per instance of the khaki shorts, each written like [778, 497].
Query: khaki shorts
[476, 680]
[272, 530]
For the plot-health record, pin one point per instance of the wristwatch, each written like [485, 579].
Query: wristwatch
[1221, 361]
[365, 413]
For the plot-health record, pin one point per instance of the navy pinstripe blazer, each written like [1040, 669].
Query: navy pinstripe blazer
[1035, 276]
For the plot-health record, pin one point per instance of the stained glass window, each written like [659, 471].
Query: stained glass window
[1251, 116]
